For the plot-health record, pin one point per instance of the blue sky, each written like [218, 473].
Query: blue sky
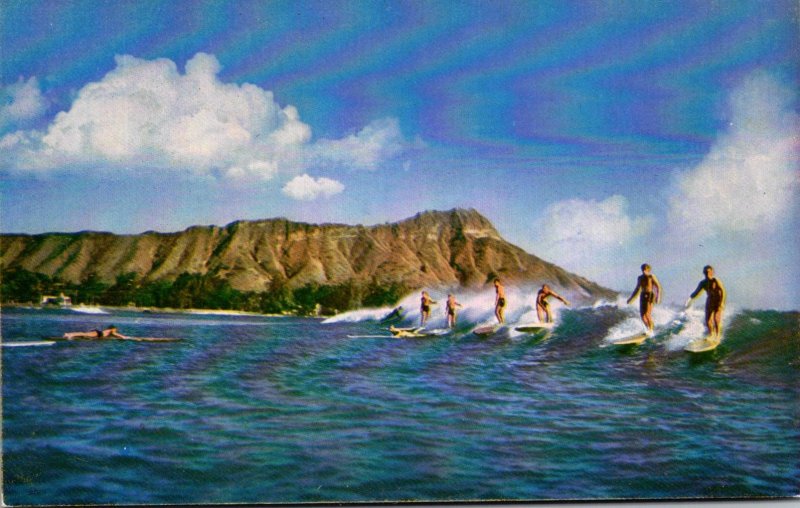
[597, 135]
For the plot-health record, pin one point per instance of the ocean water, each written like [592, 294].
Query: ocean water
[257, 409]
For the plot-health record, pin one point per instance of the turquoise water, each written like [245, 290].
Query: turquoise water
[266, 409]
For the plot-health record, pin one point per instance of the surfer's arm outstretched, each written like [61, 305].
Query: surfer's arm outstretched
[559, 297]
[700, 288]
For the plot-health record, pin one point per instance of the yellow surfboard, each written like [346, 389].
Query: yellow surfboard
[703, 345]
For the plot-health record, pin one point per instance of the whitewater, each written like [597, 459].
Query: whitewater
[675, 326]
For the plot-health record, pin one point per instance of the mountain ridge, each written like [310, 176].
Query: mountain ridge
[434, 249]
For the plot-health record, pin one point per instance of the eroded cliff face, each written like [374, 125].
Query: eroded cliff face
[432, 249]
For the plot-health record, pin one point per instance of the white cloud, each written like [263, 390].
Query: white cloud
[587, 235]
[147, 114]
[307, 188]
[378, 141]
[577, 222]
[21, 102]
[749, 179]
[737, 209]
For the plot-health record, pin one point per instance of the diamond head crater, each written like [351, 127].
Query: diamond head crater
[277, 265]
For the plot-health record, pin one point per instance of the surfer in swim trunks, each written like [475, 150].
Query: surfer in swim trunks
[450, 310]
[543, 306]
[649, 290]
[499, 300]
[715, 301]
[108, 333]
[425, 308]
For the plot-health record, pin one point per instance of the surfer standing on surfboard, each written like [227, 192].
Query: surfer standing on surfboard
[715, 301]
[499, 301]
[649, 290]
[450, 310]
[425, 308]
[543, 306]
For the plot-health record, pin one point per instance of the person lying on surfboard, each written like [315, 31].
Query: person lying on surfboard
[425, 308]
[543, 306]
[450, 310]
[649, 290]
[499, 301]
[715, 301]
[108, 333]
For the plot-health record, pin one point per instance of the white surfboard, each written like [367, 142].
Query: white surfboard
[534, 327]
[631, 340]
[703, 344]
[29, 343]
[486, 330]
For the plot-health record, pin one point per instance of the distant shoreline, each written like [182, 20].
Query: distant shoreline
[147, 310]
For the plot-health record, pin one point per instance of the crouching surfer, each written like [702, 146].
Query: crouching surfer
[109, 333]
[543, 306]
[396, 315]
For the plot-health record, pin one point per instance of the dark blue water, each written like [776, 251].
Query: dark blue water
[267, 409]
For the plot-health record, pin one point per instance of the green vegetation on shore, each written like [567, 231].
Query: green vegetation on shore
[196, 291]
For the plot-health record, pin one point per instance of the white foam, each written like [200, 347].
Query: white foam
[210, 312]
[355, 316]
[28, 343]
[692, 326]
[83, 309]
[664, 317]
[476, 307]
[626, 328]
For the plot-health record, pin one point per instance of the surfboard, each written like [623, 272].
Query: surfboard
[632, 340]
[534, 327]
[484, 331]
[29, 343]
[437, 331]
[703, 345]
[104, 339]
[397, 331]
[152, 339]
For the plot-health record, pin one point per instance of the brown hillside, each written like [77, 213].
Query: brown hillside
[432, 249]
